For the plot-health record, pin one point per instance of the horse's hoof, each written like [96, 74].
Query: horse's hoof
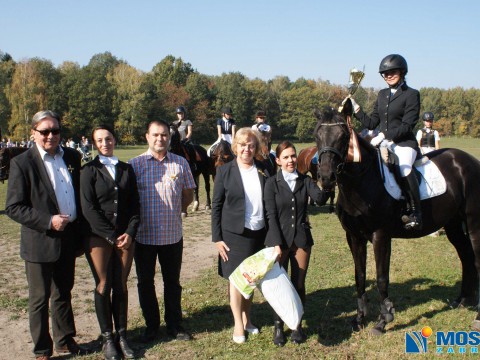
[379, 328]
[463, 302]
[377, 331]
[476, 325]
[195, 206]
[184, 215]
[356, 326]
[208, 207]
[388, 318]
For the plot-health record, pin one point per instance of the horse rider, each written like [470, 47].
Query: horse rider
[263, 127]
[185, 129]
[225, 128]
[428, 138]
[396, 112]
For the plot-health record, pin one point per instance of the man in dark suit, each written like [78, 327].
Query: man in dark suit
[43, 197]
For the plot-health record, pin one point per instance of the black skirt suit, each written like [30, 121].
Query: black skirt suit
[110, 206]
[287, 210]
[228, 216]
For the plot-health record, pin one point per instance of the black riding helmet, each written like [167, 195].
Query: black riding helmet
[427, 116]
[227, 110]
[181, 109]
[393, 62]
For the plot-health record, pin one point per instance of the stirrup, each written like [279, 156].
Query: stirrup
[410, 222]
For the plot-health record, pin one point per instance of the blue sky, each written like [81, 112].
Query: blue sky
[259, 38]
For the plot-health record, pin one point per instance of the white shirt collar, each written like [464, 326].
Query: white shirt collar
[43, 152]
[108, 160]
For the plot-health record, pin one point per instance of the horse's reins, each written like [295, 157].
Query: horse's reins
[330, 149]
[346, 127]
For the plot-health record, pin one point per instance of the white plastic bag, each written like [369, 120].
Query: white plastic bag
[278, 290]
[246, 276]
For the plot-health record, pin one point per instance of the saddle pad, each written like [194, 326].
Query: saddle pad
[432, 184]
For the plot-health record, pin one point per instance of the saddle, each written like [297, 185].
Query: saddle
[431, 181]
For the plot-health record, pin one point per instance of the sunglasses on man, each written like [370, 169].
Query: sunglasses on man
[46, 132]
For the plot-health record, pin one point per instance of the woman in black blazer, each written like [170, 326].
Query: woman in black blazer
[110, 204]
[238, 224]
[396, 113]
[286, 200]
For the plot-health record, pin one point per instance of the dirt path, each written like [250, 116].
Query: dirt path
[15, 340]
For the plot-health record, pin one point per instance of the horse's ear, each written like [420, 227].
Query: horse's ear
[347, 108]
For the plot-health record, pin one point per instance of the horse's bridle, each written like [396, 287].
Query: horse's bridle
[329, 149]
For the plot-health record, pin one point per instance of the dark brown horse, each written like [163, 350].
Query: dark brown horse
[6, 155]
[306, 165]
[199, 164]
[265, 156]
[368, 213]
[220, 154]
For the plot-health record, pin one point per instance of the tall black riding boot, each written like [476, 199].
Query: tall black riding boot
[414, 220]
[104, 316]
[278, 335]
[120, 311]
[298, 336]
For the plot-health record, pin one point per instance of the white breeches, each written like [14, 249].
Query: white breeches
[406, 158]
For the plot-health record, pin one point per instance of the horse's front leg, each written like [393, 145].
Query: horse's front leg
[195, 194]
[206, 178]
[382, 248]
[358, 248]
[332, 199]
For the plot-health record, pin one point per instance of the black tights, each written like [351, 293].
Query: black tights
[110, 267]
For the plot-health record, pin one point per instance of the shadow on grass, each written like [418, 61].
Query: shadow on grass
[328, 312]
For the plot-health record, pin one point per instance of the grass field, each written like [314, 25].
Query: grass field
[425, 277]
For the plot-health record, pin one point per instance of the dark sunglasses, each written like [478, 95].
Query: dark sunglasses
[47, 132]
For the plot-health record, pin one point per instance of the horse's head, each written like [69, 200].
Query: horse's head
[174, 138]
[222, 153]
[332, 138]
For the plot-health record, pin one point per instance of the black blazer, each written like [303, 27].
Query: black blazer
[395, 116]
[111, 207]
[287, 210]
[228, 202]
[31, 201]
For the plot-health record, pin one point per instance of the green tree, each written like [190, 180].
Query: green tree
[231, 90]
[33, 88]
[173, 70]
[199, 108]
[91, 95]
[7, 69]
[128, 102]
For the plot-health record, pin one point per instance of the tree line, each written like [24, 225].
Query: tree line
[109, 91]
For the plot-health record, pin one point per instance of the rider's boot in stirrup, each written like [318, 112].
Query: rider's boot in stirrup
[414, 219]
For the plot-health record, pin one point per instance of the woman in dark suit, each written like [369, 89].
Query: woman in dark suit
[396, 113]
[286, 200]
[110, 204]
[238, 224]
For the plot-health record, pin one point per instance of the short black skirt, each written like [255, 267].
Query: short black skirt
[241, 246]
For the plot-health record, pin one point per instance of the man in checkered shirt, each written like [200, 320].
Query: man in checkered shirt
[165, 185]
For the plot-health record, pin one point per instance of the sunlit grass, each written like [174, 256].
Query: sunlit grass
[425, 277]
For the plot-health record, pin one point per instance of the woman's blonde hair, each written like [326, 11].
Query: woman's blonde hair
[243, 135]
